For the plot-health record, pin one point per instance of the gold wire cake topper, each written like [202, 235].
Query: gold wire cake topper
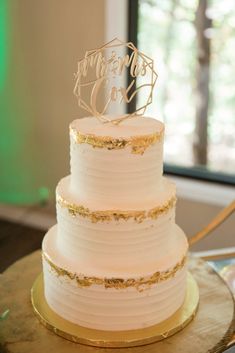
[106, 69]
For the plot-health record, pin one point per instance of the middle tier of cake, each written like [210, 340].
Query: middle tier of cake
[117, 239]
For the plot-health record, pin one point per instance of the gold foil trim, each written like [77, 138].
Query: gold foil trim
[115, 215]
[138, 144]
[118, 283]
[117, 339]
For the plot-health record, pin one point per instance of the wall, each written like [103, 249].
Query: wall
[46, 39]
[192, 216]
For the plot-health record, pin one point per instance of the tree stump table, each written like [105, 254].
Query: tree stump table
[21, 332]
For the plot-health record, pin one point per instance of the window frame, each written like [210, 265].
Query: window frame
[197, 172]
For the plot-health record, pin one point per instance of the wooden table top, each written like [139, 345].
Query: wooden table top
[21, 332]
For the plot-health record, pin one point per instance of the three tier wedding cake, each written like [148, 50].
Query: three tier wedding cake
[116, 260]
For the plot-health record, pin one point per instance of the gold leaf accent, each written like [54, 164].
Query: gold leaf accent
[115, 215]
[129, 338]
[138, 144]
[118, 283]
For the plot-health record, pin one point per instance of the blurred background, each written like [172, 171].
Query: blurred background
[192, 43]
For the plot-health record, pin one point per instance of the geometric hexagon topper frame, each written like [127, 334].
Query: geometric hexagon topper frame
[106, 65]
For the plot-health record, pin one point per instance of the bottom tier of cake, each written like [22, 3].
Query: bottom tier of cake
[113, 301]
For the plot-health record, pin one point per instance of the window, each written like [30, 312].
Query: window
[192, 43]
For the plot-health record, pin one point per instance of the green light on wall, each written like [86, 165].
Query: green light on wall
[3, 42]
[19, 167]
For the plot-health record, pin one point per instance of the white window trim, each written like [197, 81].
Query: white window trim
[116, 18]
[204, 191]
[116, 26]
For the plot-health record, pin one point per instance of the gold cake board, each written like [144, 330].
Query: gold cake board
[131, 338]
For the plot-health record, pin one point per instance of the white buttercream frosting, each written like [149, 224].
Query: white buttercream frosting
[94, 266]
[116, 220]
[103, 308]
[113, 177]
[117, 244]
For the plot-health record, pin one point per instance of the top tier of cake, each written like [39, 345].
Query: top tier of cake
[131, 173]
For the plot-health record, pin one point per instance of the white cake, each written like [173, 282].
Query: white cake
[116, 260]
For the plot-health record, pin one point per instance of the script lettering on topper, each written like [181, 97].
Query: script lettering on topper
[106, 64]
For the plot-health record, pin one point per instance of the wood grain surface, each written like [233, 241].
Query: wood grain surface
[21, 332]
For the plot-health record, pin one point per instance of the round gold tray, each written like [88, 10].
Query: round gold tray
[131, 338]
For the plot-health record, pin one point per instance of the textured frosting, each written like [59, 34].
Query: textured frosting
[116, 259]
[112, 177]
[91, 266]
[109, 308]
[118, 243]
